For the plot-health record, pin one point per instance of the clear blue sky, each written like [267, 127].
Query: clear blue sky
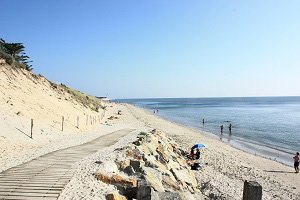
[132, 49]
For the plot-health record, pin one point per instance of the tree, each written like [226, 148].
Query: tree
[14, 54]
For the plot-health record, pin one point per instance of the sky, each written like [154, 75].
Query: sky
[161, 48]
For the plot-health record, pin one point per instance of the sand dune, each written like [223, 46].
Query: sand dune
[25, 96]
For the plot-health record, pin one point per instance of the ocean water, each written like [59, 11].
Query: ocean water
[267, 126]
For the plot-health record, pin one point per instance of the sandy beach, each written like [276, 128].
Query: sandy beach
[222, 177]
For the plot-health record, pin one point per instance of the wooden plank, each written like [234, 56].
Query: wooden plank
[46, 176]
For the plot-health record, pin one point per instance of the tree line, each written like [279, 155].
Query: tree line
[14, 55]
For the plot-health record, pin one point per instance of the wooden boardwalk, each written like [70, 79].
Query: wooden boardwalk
[46, 176]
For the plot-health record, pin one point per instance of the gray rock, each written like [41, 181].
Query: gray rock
[135, 164]
[146, 192]
[184, 176]
[169, 196]
[129, 170]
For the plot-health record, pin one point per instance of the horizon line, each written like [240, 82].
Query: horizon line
[203, 97]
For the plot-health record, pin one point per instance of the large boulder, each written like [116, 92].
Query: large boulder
[154, 178]
[115, 196]
[146, 192]
[159, 162]
[169, 196]
[116, 180]
[170, 183]
[184, 176]
[135, 153]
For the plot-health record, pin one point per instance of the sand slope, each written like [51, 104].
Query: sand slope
[25, 96]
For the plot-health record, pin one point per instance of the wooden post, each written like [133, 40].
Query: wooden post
[91, 120]
[77, 121]
[31, 128]
[252, 191]
[62, 123]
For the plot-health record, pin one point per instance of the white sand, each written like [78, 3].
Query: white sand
[24, 97]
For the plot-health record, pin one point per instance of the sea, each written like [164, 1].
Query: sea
[265, 126]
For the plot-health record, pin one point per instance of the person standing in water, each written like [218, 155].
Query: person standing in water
[222, 127]
[203, 121]
[296, 163]
[230, 126]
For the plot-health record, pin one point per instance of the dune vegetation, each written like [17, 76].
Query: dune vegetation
[14, 55]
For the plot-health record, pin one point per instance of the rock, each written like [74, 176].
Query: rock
[135, 164]
[117, 180]
[181, 161]
[196, 166]
[146, 192]
[252, 191]
[115, 196]
[163, 153]
[123, 164]
[2, 61]
[143, 134]
[150, 161]
[169, 196]
[111, 118]
[128, 192]
[173, 165]
[154, 131]
[109, 166]
[159, 162]
[189, 196]
[140, 141]
[157, 157]
[134, 154]
[153, 177]
[149, 147]
[184, 176]
[129, 170]
[169, 182]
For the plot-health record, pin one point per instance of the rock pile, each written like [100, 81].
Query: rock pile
[158, 165]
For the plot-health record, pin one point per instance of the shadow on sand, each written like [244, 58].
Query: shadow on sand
[273, 171]
[24, 133]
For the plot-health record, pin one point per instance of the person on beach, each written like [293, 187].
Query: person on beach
[222, 127]
[203, 121]
[230, 126]
[192, 154]
[296, 163]
[198, 154]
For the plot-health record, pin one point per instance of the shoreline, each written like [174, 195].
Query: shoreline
[257, 149]
[225, 168]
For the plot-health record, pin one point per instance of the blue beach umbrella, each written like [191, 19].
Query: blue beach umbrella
[199, 146]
